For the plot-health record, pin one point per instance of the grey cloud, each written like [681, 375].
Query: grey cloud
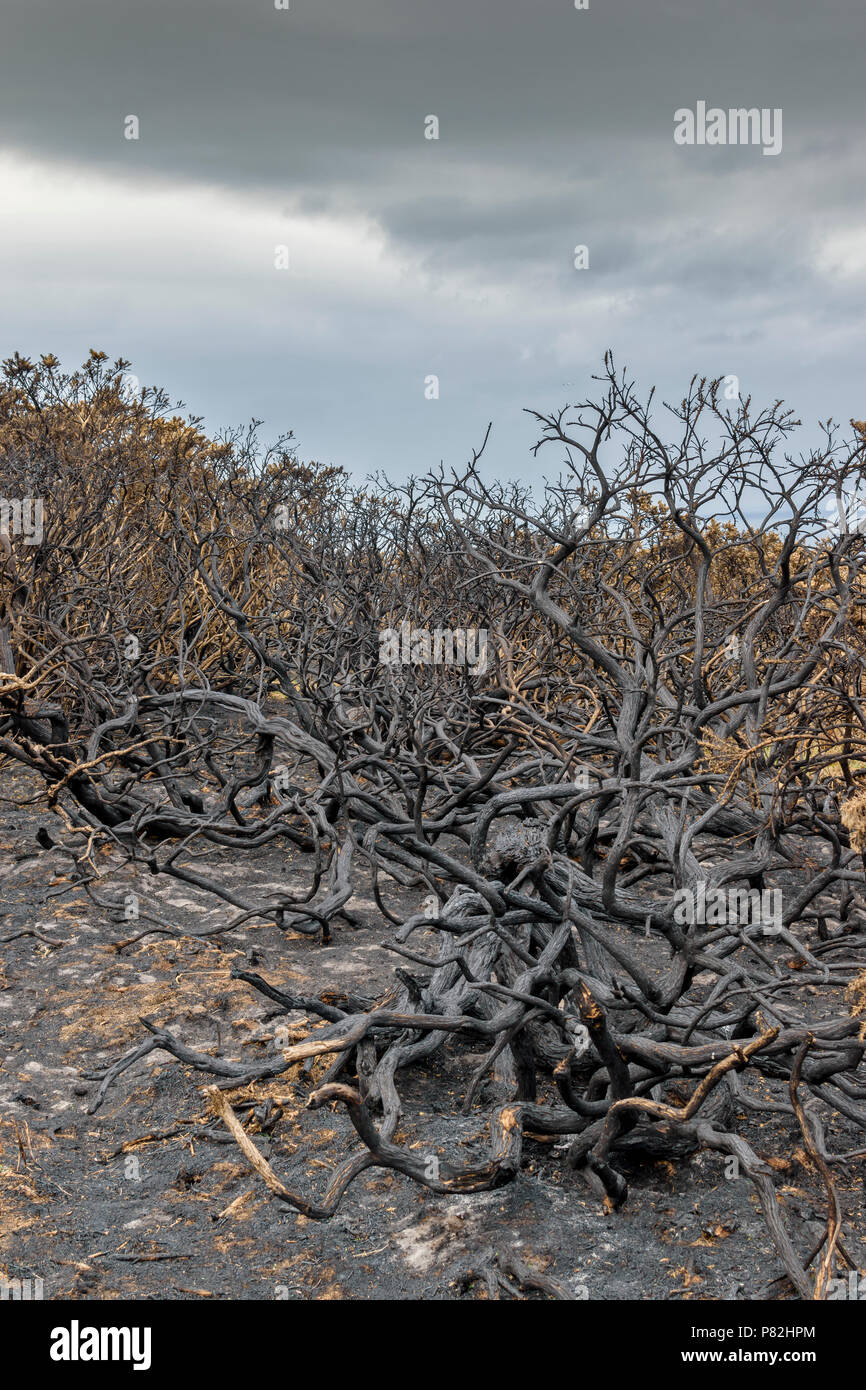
[556, 128]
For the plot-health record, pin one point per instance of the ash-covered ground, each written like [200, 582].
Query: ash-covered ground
[150, 1198]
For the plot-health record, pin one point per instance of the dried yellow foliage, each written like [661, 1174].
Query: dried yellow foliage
[854, 819]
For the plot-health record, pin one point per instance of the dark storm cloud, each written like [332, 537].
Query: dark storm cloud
[556, 129]
[328, 92]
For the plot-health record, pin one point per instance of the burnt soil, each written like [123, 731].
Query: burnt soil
[149, 1197]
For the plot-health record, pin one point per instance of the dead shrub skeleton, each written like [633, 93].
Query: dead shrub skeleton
[671, 701]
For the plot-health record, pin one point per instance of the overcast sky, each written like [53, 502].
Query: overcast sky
[411, 257]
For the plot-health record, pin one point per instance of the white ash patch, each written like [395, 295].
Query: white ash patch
[454, 1230]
